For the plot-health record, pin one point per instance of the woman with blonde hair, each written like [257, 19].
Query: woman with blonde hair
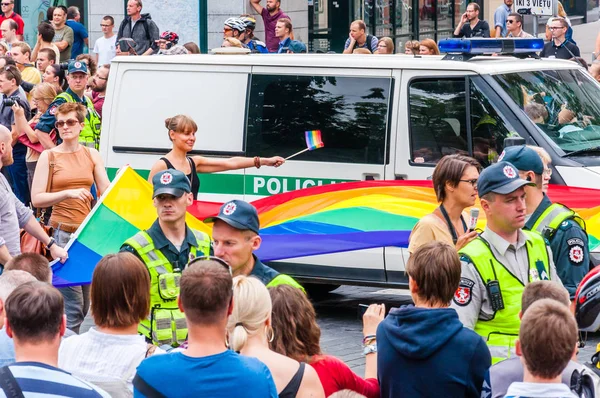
[182, 133]
[385, 46]
[42, 96]
[412, 47]
[250, 331]
[428, 47]
[63, 178]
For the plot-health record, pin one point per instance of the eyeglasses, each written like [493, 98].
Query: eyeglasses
[547, 173]
[105, 26]
[556, 27]
[212, 258]
[70, 123]
[473, 182]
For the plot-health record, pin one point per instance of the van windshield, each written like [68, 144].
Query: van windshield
[564, 104]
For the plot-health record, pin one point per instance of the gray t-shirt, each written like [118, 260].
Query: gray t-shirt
[66, 34]
[13, 216]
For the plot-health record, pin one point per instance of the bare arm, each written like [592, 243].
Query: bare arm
[4, 255]
[498, 33]
[256, 5]
[35, 50]
[34, 228]
[100, 176]
[212, 165]
[597, 49]
[459, 26]
[40, 198]
[86, 41]
[160, 166]
[22, 125]
[62, 45]
[95, 57]
[149, 51]
[371, 319]
[44, 139]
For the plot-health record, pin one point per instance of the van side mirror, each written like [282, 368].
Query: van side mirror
[514, 141]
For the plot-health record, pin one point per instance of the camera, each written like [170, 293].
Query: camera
[10, 101]
[64, 65]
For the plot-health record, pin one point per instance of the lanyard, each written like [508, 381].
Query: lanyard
[450, 226]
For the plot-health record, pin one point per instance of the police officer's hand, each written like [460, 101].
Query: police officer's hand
[79, 193]
[275, 161]
[58, 252]
[372, 318]
[466, 238]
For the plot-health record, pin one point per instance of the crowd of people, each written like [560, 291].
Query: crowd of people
[176, 302]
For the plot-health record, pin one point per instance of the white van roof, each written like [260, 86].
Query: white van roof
[480, 65]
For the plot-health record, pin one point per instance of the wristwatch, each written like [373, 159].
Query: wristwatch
[370, 349]
[49, 245]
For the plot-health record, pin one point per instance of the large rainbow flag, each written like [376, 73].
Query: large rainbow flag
[318, 220]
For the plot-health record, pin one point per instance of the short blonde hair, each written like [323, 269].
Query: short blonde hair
[25, 48]
[233, 41]
[251, 308]
[46, 91]
[545, 156]
[361, 51]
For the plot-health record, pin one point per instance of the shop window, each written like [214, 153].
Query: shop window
[437, 119]
[350, 112]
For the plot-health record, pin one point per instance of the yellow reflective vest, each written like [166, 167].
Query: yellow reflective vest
[165, 323]
[90, 135]
[501, 331]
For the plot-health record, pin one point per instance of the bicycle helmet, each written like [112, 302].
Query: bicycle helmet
[587, 302]
[249, 22]
[235, 24]
[170, 36]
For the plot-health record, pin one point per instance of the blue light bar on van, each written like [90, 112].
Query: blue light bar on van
[489, 46]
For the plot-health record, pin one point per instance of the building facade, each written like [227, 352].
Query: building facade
[322, 24]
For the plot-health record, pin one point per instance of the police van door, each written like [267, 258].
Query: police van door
[448, 112]
[350, 108]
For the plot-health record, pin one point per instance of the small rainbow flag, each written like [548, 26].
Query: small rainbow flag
[313, 140]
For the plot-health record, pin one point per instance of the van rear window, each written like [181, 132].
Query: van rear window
[351, 112]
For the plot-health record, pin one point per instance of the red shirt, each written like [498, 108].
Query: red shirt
[335, 376]
[17, 18]
[98, 102]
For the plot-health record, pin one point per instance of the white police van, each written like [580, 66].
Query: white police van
[381, 117]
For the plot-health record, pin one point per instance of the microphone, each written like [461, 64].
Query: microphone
[474, 215]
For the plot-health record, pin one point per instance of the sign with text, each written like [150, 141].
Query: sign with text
[534, 7]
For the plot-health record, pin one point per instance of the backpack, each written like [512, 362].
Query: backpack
[582, 384]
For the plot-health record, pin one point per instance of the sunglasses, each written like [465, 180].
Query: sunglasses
[70, 123]
[105, 26]
[510, 21]
[5, 4]
[212, 258]
[227, 30]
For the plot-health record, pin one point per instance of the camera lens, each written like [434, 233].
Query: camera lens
[8, 101]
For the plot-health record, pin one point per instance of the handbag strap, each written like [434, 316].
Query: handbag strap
[51, 163]
[142, 386]
[9, 384]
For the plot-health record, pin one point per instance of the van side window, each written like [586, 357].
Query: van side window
[438, 121]
[350, 112]
[489, 128]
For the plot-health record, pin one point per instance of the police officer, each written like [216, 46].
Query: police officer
[235, 238]
[165, 248]
[500, 262]
[77, 78]
[561, 226]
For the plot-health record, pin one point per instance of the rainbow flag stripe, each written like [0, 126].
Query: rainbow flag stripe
[307, 222]
[313, 140]
[121, 212]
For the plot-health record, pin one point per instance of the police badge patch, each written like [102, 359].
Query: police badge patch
[52, 110]
[576, 254]
[463, 294]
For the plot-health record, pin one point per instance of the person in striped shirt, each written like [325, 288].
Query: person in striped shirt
[36, 322]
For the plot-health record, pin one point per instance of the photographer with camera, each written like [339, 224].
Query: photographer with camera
[77, 79]
[10, 79]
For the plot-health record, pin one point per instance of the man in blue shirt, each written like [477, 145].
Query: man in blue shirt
[207, 368]
[283, 31]
[80, 33]
[500, 16]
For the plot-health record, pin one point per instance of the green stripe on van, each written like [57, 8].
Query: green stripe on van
[239, 184]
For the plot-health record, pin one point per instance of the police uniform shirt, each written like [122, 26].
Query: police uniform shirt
[177, 258]
[566, 50]
[570, 249]
[263, 272]
[47, 120]
[514, 257]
